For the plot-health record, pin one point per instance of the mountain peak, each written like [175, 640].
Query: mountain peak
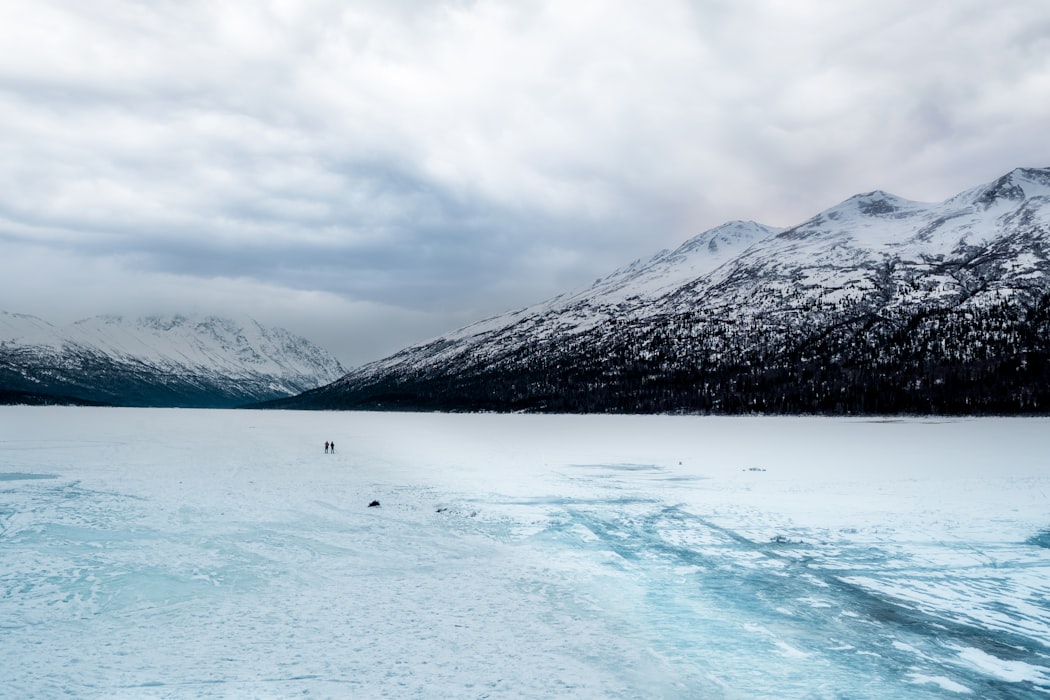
[696, 257]
[1017, 185]
[876, 203]
[731, 234]
[1038, 177]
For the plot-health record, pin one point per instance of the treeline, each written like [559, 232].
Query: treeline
[849, 359]
[10, 397]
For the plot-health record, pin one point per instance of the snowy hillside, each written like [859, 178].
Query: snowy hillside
[879, 304]
[629, 292]
[159, 360]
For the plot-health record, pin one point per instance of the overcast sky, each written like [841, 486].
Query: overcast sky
[371, 173]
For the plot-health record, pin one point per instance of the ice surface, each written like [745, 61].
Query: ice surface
[176, 553]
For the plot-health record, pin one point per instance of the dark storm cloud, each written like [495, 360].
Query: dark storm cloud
[406, 167]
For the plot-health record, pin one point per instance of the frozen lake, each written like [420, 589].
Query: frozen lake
[177, 553]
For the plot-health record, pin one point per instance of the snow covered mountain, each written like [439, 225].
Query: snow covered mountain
[158, 361]
[877, 305]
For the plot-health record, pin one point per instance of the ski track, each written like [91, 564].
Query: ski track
[597, 579]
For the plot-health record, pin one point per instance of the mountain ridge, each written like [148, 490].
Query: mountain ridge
[158, 360]
[877, 304]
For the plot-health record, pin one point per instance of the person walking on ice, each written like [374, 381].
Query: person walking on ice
[333, 446]
[326, 447]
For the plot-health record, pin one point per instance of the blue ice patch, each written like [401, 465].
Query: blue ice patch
[1040, 539]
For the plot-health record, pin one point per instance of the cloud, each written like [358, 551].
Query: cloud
[437, 162]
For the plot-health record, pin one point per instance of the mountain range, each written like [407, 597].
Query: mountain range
[203, 361]
[877, 305]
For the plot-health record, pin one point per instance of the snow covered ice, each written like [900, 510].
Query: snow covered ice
[178, 553]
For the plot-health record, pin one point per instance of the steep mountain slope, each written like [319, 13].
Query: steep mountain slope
[877, 305]
[159, 360]
[628, 293]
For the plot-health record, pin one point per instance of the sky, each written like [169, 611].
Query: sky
[373, 173]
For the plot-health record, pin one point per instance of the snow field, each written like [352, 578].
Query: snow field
[175, 553]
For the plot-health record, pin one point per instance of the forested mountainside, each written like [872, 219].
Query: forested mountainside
[877, 305]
